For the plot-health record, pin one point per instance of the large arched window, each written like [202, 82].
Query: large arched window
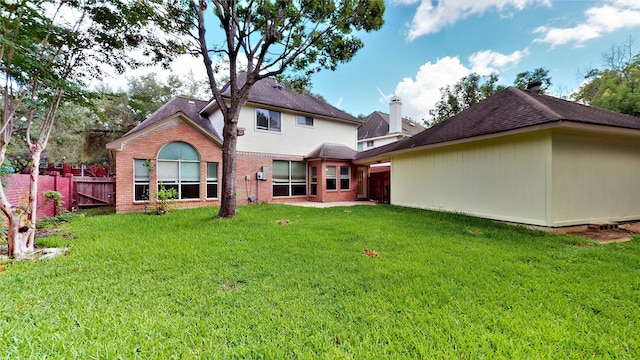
[179, 168]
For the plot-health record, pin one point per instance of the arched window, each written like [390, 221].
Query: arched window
[179, 168]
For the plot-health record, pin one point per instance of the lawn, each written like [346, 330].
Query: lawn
[279, 281]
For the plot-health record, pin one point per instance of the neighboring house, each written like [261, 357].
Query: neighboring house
[380, 129]
[521, 157]
[295, 147]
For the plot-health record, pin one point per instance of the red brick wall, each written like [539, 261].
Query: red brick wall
[17, 191]
[325, 195]
[148, 144]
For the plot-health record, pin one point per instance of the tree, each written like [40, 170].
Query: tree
[271, 37]
[48, 51]
[467, 92]
[524, 78]
[617, 87]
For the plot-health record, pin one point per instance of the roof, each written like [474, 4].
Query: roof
[333, 151]
[269, 92]
[376, 124]
[507, 110]
[189, 108]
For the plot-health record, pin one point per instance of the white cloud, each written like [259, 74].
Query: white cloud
[419, 95]
[430, 18]
[489, 62]
[599, 20]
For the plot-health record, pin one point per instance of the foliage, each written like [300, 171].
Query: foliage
[443, 286]
[616, 89]
[56, 198]
[467, 92]
[165, 197]
[291, 39]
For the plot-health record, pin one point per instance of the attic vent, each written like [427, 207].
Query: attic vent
[279, 86]
[535, 86]
[191, 102]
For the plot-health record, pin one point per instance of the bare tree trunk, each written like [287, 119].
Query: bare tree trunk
[228, 204]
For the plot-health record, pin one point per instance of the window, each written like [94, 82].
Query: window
[179, 168]
[212, 180]
[360, 146]
[370, 143]
[304, 120]
[345, 177]
[268, 120]
[331, 178]
[141, 180]
[289, 178]
[314, 180]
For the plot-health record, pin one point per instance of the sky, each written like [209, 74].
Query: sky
[426, 45]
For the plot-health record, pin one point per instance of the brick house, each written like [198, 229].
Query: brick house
[295, 147]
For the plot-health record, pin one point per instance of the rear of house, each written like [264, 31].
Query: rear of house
[294, 147]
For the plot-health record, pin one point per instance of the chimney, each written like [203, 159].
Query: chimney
[395, 115]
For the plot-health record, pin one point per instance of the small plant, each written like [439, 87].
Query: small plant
[56, 198]
[165, 198]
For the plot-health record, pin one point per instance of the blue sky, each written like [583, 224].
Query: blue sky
[425, 45]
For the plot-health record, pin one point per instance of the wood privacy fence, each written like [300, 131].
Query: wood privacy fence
[77, 192]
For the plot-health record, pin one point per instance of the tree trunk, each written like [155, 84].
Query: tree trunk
[21, 235]
[228, 204]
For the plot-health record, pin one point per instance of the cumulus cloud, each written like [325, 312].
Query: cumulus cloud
[598, 21]
[420, 94]
[431, 18]
[488, 62]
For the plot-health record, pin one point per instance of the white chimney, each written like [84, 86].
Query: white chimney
[395, 115]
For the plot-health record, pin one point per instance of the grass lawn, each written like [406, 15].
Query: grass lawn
[187, 285]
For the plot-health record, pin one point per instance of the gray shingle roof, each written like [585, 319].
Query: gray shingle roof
[189, 107]
[376, 124]
[333, 151]
[509, 109]
[268, 92]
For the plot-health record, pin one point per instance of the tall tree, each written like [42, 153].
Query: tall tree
[271, 37]
[467, 92]
[49, 49]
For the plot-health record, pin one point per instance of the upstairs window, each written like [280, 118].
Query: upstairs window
[179, 168]
[268, 120]
[304, 120]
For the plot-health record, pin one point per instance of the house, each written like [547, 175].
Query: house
[522, 157]
[379, 129]
[295, 147]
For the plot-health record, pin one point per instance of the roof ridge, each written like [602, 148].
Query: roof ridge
[528, 97]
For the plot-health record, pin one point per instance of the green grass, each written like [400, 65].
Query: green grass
[187, 285]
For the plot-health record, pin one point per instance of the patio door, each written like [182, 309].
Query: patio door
[362, 182]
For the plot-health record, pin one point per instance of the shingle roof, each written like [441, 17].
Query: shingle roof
[333, 151]
[189, 107]
[376, 124]
[509, 109]
[269, 92]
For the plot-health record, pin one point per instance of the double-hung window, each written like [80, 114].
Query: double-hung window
[345, 177]
[314, 180]
[212, 180]
[141, 179]
[331, 178]
[179, 168]
[289, 178]
[268, 120]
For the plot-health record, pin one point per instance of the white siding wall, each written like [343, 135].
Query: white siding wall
[595, 178]
[503, 179]
[293, 139]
